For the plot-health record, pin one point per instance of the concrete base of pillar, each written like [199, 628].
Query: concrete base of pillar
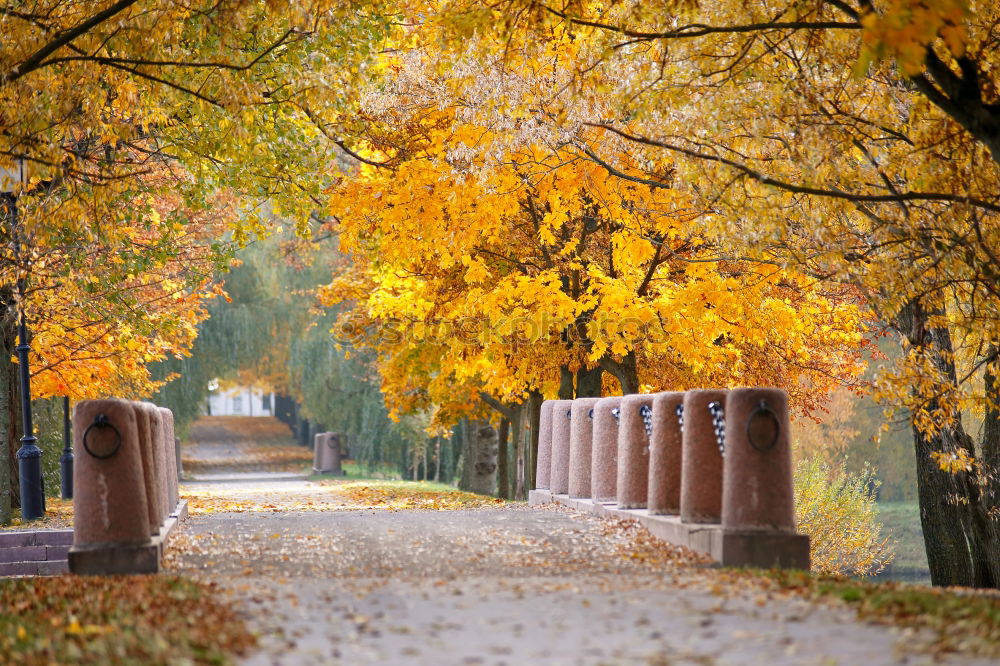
[765, 550]
[181, 511]
[106, 559]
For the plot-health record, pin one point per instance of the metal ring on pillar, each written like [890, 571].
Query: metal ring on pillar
[763, 409]
[617, 413]
[101, 421]
[590, 414]
[680, 415]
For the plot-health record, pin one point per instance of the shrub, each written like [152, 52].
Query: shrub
[838, 511]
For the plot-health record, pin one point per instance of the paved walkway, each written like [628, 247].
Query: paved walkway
[324, 580]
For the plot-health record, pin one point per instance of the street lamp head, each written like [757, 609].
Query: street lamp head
[13, 179]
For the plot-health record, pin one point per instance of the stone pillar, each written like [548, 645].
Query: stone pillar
[701, 461]
[319, 452]
[559, 477]
[604, 451]
[543, 466]
[633, 451]
[160, 450]
[109, 499]
[331, 454]
[149, 472]
[167, 418]
[665, 455]
[757, 488]
[581, 431]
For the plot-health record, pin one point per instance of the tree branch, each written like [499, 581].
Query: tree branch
[127, 62]
[700, 30]
[505, 411]
[764, 179]
[35, 60]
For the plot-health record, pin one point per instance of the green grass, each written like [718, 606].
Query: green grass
[959, 622]
[354, 470]
[390, 485]
[902, 525]
[396, 495]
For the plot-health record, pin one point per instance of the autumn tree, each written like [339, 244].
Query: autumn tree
[481, 274]
[109, 101]
[239, 93]
[102, 308]
[99, 100]
[860, 137]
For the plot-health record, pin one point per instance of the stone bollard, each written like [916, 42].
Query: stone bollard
[559, 476]
[109, 503]
[149, 472]
[331, 454]
[543, 464]
[318, 452]
[665, 455]
[701, 461]
[167, 418]
[604, 451]
[581, 431]
[757, 487]
[634, 427]
[160, 452]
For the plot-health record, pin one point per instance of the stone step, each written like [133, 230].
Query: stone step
[43, 568]
[33, 554]
[17, 538]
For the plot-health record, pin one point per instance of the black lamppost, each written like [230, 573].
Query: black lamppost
[66, 461]
[29, 456]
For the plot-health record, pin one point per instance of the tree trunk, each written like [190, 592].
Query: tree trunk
[959, 529]
[482, 457]
[625, 371]
[465, 461]
[991, 420]
[990, 455]
[437, 457]
[531, 457]
[949, 555]
[10, 409]
[7, 442]
[565, 383]
[503, 471]
[405, 463]
[588, 382]
[516, 490]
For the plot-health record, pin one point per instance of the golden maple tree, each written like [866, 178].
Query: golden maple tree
[111, 105]
[861, 139]
[479, 271]
[100, 311]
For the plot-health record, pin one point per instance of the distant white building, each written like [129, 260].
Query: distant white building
[240, 401]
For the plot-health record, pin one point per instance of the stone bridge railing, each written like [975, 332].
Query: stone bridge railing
[125, 480]
[707, 469]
